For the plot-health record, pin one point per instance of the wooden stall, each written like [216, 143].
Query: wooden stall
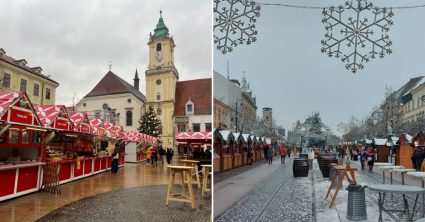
[383, 151]
[247, 149]
[404, 151]
[219, 142]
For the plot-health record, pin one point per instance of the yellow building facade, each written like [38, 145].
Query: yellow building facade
[161, 77]
[17, 75]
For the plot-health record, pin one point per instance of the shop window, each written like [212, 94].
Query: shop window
[196, 127]
[6, 80]
[14, 136]
[23, 86]
[36, 89]
[208, 127]
[25, 137]
[129, 118]
[47, 93]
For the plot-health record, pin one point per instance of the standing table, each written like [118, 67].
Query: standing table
[206, 171]
[194, 164]
[383, 189]
[421, 176]
[388, 167]
[184, 171]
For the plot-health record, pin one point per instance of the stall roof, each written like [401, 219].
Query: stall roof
[380, 142]
[109, 130]
[191, 136]
[78, 119]
[119, 131]
[246, 137]
[54, 116]
[227, 134]
[96, 125]
[132, 136]
[20, 108]
[268, 141]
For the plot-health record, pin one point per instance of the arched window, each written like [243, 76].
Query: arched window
[158, 47]
[158, 96]
[129, 118]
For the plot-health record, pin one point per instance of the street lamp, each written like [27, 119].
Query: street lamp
[236, 114]
[302, 140]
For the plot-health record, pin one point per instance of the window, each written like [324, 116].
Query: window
[84, 104]
[158, 82]
[129, 100]
[23, 86]
[36, 89]
[181, 127]
[47, 93]
[159, 111]
[208, 127]
[196, 127]
[129, 118]
[158, 96]
[6, 80]
[97, 114]
[189, 108]
[160, 129]
[158, 47]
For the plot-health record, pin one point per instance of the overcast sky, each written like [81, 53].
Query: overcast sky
[74, 40]
[288, 72]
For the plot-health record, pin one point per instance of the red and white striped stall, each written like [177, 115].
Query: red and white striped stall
[21, 152]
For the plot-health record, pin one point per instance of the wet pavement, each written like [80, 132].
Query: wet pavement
[133, 204]
[36, 205]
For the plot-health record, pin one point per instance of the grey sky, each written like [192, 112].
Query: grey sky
[73, 41]
[288, 72]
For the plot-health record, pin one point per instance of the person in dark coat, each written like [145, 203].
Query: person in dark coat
[265, 149]
[270, 155]
[418, 157]
[169, 156]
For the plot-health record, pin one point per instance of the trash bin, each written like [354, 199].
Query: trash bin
[325, 163]
[300, 167]
[303, 155]
[356, 205]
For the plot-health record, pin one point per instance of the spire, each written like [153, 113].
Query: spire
[136, 80]
[161, 31]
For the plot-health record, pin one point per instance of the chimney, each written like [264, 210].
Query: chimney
[136, 80]
[2, 52]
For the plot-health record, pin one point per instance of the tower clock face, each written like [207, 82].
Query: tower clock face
[158, 55]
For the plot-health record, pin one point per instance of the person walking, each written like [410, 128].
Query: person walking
[148, 154]
[370, 158]
[114, 165]
[169, 156]
[270, 155]
[161, 153]
[289, 152]
[154, 156]
[283, 153]
[265, 149]
[418, 157]
[363, 157]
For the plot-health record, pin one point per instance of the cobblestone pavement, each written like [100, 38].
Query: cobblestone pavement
[134, 204]
[280, 198]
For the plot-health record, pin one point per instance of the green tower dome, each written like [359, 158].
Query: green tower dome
[161, 31]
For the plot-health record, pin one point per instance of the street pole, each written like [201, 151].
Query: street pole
[236, 116]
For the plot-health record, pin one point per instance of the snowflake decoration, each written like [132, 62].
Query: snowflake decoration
[235, 23]
[352, 37]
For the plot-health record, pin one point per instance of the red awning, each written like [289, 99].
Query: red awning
[194, 137]
[132, 136]
[54, 116]
[16, 108]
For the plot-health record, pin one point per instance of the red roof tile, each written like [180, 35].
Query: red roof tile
[199, 92]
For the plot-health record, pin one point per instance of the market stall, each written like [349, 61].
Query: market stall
[219, 142]
[383, 151]
[133, 146]
[21, 142]
[56, 119]
[404, 151]
[101, 145]
[119, 131]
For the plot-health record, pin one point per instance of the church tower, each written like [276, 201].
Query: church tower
[161, 77]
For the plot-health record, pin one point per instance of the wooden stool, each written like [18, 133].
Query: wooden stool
[171, 196]
[194, 164]
[344, 174]
[206, 171]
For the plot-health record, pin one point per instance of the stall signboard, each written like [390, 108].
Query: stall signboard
[85, 128]
[21, 116]
[62, 124]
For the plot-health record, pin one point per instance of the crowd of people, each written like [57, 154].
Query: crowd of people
[157, 153]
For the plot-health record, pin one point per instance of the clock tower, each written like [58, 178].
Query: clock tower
[161, 77]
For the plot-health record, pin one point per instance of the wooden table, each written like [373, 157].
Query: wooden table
[206, 171]
[185, 171]
[194, 164]
[343, 170]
